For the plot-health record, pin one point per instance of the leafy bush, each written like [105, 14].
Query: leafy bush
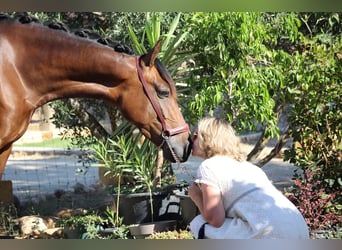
[8, 215]
[126, 157]
[316, 206]
[91, 223]
[81, 221]
[316, 122]
[133, 163]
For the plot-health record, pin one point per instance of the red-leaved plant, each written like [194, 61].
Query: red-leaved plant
[314, 204]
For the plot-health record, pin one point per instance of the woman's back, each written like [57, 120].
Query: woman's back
[251, 201]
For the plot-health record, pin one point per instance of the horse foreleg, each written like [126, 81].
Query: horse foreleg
[4, 154]
[12, 126]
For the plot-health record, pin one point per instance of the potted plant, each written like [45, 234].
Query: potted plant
[134, 163]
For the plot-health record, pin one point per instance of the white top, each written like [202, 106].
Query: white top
[254, 207]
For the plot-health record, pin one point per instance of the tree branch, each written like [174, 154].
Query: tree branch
[88, 120]
[282, 141]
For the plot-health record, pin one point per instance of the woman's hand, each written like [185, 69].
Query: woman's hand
[195, 193]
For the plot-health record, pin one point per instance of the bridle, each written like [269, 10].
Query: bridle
[166, 132]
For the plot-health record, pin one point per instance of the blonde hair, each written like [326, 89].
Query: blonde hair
[217, 137]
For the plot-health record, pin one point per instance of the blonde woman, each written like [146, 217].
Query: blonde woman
[235, 198]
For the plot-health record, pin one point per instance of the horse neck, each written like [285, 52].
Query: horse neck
[90, 72]
[71, 67]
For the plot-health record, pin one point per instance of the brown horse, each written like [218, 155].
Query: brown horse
[38, 65]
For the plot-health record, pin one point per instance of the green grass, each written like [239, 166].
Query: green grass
[52, 143]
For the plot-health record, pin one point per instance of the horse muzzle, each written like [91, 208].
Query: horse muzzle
[177, 152]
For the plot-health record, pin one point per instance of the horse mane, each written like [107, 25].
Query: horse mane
[25, 18]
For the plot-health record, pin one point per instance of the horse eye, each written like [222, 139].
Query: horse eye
[163, 93]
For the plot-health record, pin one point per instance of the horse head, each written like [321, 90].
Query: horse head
[157, 113]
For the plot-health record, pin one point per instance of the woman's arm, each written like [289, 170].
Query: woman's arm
[209, 202]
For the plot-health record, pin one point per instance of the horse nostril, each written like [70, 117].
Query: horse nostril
[177, 152]
[186, 152]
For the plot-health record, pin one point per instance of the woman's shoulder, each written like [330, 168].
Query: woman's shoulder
[226, 163]
[220, 162]
[220, 159]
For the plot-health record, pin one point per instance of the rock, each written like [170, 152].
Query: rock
[71, 212]
[34, 225]
[31, 225]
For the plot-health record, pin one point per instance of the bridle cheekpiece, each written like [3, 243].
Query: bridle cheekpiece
[166, 132]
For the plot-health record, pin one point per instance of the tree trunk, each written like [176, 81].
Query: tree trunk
[282, 141]
[258, 148]
[158, 169]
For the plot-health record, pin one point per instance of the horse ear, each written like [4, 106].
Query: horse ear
[151, 56]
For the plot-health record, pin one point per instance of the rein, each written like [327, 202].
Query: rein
[166, 132]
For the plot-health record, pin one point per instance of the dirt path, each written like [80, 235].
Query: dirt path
[37, 174]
